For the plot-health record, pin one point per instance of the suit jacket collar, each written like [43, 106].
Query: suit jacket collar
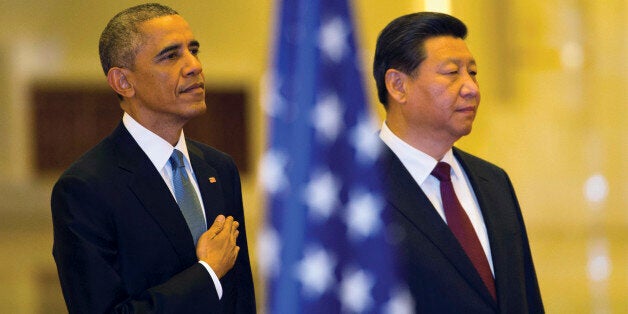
[404, 194]
[209, 183]
[491, 196]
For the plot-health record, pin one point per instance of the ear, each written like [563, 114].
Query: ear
[396, 85]
[117, 79]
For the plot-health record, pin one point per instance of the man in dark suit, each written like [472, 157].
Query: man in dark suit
[460, 234]
[130, 217]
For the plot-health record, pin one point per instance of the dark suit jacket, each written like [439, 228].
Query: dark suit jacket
[122, 245]
[441, 278]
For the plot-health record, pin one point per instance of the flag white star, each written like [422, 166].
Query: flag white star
[363, 214]
[268, 250]
[401, 302]
[355, 291]
[327, 117]
[365, 139]
[321, 194]
[316, 272]
[333, 39]
[272, 175]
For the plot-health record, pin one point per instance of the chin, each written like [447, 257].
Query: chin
[465, 131]
[198, 109]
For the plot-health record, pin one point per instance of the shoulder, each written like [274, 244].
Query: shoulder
[101, 162]
[81, 187]
[477, 164]
[220, 161]
[485, 175]
[210, 154]
[97, 160]
[208, 160]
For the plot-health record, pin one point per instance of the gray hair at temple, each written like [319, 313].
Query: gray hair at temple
[121, 38]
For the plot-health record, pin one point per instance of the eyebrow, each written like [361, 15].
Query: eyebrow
[457, 60]
[175, 47]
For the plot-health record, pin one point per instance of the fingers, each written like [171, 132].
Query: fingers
[221, 223]
[217, 226]
[235, 232]
[231, 225]
[235, 253]
[234, 228]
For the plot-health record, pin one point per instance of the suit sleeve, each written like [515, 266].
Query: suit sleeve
[86, 253]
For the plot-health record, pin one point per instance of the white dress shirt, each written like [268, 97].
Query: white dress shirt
[420, 166]
[159, 151]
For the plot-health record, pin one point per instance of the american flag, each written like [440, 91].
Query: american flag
[323, 246]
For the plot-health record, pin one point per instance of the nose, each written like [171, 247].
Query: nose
[192, 66]
[470, 87]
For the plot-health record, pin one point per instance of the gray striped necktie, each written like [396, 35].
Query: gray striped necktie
[186, 196]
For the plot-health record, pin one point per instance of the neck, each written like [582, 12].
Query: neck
[169, 131]
[171, 136]
[431, 144]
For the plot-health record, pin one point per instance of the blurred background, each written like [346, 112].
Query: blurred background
[554, 114]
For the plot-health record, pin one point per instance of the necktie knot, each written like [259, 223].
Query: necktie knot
[176, 159]
[442, 171]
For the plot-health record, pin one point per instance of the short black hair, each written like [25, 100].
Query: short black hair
[121, 38]
[400, 45]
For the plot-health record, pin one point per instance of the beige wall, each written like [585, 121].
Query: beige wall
[554, 113]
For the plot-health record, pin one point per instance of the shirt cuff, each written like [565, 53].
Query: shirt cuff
[214, 278]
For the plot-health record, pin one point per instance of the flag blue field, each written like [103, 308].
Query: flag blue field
[323, 248]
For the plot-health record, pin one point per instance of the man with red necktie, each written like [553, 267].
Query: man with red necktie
[462, 243]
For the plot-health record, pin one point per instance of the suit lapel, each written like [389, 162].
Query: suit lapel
[209, 183]
[495, 214]
[405, 195]
[153, 193]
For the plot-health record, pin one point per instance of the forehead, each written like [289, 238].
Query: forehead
[443, 48]
[165, 30]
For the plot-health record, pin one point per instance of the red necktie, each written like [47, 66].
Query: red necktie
[461, 226]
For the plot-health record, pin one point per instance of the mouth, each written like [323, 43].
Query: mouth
[469, 109]
[194, 88]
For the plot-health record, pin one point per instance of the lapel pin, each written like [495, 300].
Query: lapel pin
[212, 179]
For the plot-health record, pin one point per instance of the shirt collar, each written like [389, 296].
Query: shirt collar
[418, 163]
[455, 166]
[156, 148]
